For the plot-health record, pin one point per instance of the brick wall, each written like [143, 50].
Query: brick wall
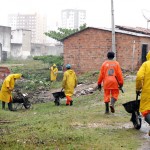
[87, 50]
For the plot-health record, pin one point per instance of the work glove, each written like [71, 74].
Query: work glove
[138, 92]
[120, 85]
[99, 87]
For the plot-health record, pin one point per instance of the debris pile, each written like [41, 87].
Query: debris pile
[84, 89]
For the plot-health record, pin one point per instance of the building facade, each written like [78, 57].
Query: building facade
[86, 50]
[34, 22]
[20, 43]
[72, 18]
[5, 46]
[43, 50]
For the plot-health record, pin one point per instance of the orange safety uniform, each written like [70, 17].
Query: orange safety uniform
[110, 72]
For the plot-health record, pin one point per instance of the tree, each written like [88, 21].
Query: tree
[62, 32]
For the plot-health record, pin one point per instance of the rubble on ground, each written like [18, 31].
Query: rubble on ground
[43, 95]
[84, 89]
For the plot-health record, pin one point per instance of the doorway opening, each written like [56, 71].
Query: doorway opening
[144, 52]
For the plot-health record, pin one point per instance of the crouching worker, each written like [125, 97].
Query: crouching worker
[69, 83]
[6, 90]
[111, 76]
[143, 83]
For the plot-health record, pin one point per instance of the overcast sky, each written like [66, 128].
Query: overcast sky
[98, 12]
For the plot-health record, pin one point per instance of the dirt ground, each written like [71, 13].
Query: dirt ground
[43, 96]
[82, 89]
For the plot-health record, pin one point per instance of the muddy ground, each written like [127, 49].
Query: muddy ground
[144, 136]
[43, 96]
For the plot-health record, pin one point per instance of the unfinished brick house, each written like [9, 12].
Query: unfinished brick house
[86, 50]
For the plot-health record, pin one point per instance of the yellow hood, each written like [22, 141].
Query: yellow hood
[148, 56]
[17, 76]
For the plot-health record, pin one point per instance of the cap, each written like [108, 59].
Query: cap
[68, 66]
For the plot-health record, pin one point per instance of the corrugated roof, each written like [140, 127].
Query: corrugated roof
[130, 32]
[136, 29]
[120, 29]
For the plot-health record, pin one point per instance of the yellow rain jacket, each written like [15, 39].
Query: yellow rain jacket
[9, 82]
[54, 72]
[143, 83]
[69, 82]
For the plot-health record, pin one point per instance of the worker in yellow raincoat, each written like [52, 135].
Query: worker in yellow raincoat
[7, 88]
[69, 83]
[53, 73]
[143, 86]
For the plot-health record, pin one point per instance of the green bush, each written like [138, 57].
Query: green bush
[58, 60]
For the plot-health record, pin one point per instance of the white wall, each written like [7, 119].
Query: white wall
[5, 38]
[16, 36]
[21, 43]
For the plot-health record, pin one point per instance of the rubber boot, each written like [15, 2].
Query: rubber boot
[71, 102]
[3, 105]
[147, 119]
[10, 106]
[106, 108]
[112, 103]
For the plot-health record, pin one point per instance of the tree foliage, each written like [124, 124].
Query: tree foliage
[62, 32]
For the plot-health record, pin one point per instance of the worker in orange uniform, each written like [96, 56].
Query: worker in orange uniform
[6, 90]
[53, 73]
[69, 83]
[143, 86]
[112, 78]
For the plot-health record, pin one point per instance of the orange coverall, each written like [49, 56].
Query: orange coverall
[110, 70]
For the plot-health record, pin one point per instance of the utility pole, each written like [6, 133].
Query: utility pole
[113, 28]
[133, 55]
[147, 23]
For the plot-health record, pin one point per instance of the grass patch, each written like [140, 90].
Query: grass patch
[36, 72]
[84, 126]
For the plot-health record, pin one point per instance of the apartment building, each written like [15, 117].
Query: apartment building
[34, 22]
[72, 18]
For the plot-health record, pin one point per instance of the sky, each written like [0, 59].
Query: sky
[98, 12]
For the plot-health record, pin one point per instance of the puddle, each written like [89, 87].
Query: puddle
[145, 129]
[146, 138]
[5, 121]
[143, 136]
[102, 125]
